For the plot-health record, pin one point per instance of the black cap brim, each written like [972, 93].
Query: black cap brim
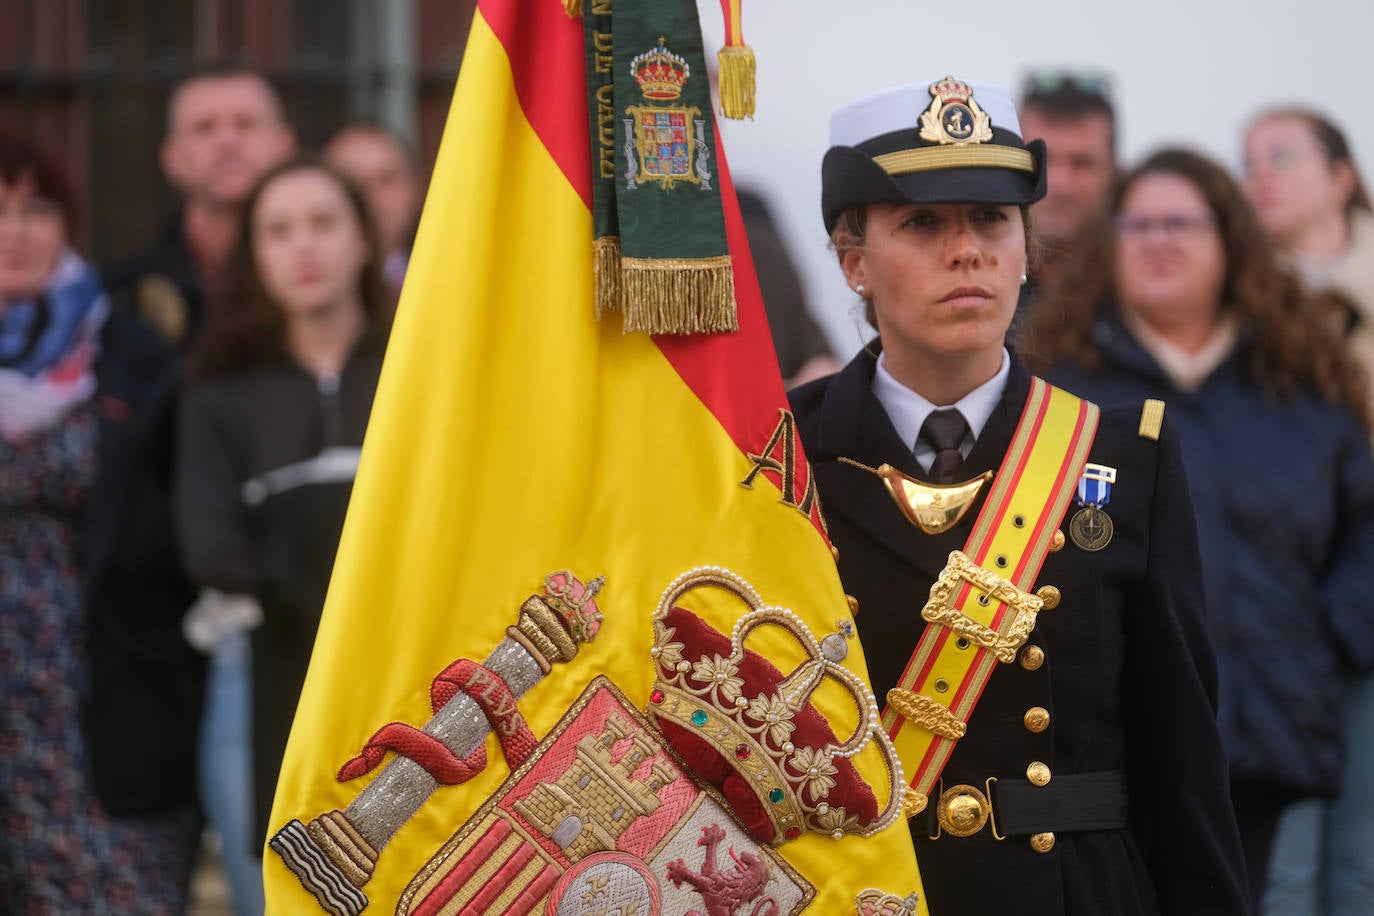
[849, 176]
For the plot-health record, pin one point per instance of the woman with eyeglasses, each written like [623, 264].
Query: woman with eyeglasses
[1192, 307]
[1301, 177]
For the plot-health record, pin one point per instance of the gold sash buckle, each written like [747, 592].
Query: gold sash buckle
[940, 608]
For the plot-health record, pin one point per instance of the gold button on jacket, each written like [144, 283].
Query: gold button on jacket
[1037, 719]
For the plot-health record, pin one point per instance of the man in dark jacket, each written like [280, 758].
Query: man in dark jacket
[144, 707]
[224, 130]
[387, 170]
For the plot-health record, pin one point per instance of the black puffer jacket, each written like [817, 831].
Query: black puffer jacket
[262, 484]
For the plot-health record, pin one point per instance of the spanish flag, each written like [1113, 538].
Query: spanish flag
[585, 648]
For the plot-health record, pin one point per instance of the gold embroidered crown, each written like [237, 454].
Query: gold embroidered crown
[752, 730]
[661, 74]
[570, 599]
[873, 902]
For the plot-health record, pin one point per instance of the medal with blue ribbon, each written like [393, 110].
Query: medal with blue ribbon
[1091, 527]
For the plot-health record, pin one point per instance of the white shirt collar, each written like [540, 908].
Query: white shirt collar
[908, 410]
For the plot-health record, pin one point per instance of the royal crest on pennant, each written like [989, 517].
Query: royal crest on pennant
[669, 140]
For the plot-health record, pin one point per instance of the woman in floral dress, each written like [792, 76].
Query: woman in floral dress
[74, 383]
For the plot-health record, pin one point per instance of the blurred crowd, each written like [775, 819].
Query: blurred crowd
[179, 433]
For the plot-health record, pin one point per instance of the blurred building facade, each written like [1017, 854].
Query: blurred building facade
[91, 78]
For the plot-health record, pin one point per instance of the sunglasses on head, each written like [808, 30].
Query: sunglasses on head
[1046, 82]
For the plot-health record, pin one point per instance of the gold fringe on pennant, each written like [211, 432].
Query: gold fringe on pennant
[606, 258]
[737, 81]
[679, 295]
[573, 7]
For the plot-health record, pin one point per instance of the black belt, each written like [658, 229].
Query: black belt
[1077, 801]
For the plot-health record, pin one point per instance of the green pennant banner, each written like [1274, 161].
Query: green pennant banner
[661, 251]
[596, 28]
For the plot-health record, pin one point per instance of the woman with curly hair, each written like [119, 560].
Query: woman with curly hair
[1191, 306]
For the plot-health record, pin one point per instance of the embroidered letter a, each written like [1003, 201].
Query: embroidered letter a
[784, 433]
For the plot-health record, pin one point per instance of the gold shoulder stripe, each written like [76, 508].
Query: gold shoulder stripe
[1151, 419]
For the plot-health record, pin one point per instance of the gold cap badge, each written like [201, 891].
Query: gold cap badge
[953, 115]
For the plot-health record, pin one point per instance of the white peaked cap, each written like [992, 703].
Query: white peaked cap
[900, 107]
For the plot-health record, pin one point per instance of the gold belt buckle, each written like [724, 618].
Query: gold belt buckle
[962, 810]
[940, 608]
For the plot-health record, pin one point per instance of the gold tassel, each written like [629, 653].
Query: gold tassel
[737, 81]
[573, 7]
[678, 295]
[606, 258]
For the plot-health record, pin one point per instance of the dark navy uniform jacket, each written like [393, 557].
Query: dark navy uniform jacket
[1128, 677]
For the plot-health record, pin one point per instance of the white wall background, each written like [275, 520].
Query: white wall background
[1185, 71]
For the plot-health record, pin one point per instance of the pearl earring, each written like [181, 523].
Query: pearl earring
[1024, 278]
[860, 290]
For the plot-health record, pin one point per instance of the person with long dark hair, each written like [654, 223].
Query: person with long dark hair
[1030, 602]
[272, 422]
[1191, 306]
[1301, 176]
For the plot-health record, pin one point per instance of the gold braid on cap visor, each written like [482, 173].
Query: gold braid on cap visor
[931, 158]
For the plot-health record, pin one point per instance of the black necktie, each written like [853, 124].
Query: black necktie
[944, 430]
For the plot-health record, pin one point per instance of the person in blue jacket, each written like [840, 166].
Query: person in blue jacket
[1191, 306]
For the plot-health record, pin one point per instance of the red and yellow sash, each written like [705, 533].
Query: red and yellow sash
[982, 598]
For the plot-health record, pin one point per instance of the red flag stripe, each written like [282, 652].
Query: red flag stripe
[726, 371]
[549, 67]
